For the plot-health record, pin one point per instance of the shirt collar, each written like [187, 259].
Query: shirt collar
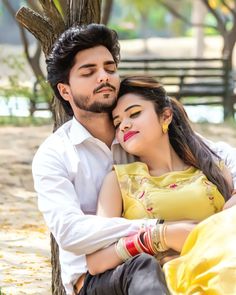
[78, 133]
[115, 141]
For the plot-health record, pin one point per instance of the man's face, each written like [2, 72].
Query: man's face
[93, 81]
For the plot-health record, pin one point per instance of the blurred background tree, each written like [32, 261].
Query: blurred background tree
[46, 20]
[40, 92]
[163, 18]
[132, 19]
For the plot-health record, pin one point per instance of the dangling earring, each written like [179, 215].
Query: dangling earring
[165, 128]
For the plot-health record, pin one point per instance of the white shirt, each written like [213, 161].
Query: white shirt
[68, 171]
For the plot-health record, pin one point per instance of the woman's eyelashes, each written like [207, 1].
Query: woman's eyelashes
[132, 116]
[116, 125]
[135, 114]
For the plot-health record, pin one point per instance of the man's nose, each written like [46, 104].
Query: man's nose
[103, 76]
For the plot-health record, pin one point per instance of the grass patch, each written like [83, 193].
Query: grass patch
[24, 121]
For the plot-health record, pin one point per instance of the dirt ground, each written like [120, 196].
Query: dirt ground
[24, 239]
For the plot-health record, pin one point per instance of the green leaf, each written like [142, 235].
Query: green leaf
[58, 5]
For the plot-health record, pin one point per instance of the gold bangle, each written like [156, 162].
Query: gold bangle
[157, 239]
[121, 250]
[164, 243]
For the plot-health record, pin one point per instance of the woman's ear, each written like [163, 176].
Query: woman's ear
[167, 116]
[64, 90]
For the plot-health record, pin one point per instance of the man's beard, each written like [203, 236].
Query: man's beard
[82, 102]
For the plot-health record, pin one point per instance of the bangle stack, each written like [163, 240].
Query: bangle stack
[163, 242]
[151, 241]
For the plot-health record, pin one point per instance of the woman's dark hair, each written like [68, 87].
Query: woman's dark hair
[186, 143]
[62, 56]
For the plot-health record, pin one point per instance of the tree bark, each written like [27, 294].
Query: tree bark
[106, 12]
[46, 28]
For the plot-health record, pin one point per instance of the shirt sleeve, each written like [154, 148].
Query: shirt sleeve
[227, 154]
[73, 230]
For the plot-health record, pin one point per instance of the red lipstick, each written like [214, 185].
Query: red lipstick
[129, 134]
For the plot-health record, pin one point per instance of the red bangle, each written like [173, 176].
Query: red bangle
[148, 241]
[130, 245]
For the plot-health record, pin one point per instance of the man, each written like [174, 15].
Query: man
[70, 165]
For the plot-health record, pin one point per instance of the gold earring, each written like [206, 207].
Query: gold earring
[165, 128]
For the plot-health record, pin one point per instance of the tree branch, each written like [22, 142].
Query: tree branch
[9, 7]
[53, 15]
[218, 17]
[183, 18]
[24, 40]
[76, 15]
[232, 10]
[39, 26]
[34, 6]
[106, 11]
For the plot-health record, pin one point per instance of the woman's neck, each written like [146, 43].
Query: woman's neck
[163, 160]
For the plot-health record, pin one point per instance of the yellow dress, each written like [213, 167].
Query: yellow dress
[177, 195]
[207, 265]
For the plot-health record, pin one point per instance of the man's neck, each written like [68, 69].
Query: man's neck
[99, 125]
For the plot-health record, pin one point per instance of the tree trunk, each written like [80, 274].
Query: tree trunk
[198, 16]
[46, 28]
[106, 12]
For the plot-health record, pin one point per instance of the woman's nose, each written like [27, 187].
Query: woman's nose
[126, 125]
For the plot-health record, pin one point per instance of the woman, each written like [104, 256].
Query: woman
[176, 178]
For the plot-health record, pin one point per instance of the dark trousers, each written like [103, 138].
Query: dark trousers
[141, 274]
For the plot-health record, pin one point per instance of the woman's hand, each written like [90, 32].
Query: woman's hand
[177, 233]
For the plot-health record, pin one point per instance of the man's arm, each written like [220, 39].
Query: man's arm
[110, 204]
[227, 154]
[59, 203]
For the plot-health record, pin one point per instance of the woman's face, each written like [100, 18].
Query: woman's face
[137, 124]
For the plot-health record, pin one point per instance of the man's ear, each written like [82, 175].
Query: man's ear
[64, 90]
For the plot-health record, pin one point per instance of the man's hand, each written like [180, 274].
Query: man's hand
[177, 233]
[231, 202]
[167, 258]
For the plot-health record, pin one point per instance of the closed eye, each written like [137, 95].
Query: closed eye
[116, 125]
[111, 68]
[87, 74]
[111, 71]
[135, 114]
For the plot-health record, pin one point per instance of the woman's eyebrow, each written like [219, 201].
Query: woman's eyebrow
[132, 106]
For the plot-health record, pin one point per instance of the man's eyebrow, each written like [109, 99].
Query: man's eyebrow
[109, 62]
[128, 108]
[85, 66]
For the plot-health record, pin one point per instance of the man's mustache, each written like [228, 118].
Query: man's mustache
[103, 86]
